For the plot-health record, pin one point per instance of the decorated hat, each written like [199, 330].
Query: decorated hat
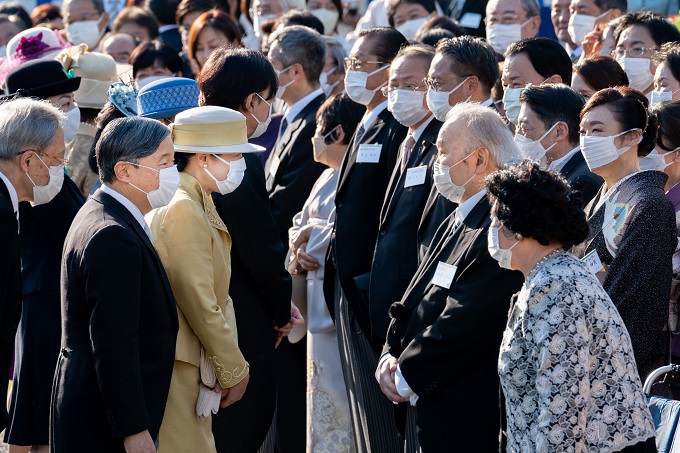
[97, 71]
[166, 97]
[38, 43]
[124, 97]
[211, 129]
[41, 79]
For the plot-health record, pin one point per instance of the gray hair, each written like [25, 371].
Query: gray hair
[27, 122]
[301, 45]
[127, 139]
[482, 127]
[531, 7]
[98, 5]
[337, 51]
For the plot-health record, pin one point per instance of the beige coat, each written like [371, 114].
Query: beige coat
[194, 246]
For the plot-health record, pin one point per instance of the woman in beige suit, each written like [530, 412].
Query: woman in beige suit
[194, 246]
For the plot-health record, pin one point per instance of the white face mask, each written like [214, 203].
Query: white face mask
[168, 182]
[45, 194]
[445, 185]
[599, 151]
[319, 145]
[407, 106]
[533, 149]
[85, 32]
[261, 125]
[282, 88]
[579, 26]
[328, 18]
[638, 72]
[512, 104]
[656, 160]
[237, 170]
[503, 256]
[355, 84]
[662, 96]
[323, 80]
[411, 27]
[500, 36]
[71, 124]
[438, 101]
[259, 20]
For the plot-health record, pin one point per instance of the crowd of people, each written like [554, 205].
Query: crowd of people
[323, 226]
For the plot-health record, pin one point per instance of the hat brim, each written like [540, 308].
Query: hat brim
[226, 149]
[163, 114]
[52, 89]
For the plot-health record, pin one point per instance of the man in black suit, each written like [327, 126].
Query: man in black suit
[463, 69]
[298, 54]
[118, 312]
[395, 259]
[362, 182]
[549, 128]
[168, 30]
[443, 341]
[29, 130]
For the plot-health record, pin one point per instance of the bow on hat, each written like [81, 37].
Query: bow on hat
[69, 57]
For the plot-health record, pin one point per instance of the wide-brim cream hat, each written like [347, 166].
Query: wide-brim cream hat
[211, 129]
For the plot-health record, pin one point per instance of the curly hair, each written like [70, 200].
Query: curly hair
[538, 204]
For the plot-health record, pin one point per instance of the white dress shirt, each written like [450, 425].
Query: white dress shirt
[295, 109]
[370, 117]
[558, 164]
[14, 198]
[130, 206]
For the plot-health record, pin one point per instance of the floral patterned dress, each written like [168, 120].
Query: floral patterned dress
[566, 366]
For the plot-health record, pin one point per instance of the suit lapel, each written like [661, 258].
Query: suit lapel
[572, 164]
[368, 138]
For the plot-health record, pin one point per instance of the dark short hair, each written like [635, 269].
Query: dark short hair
[15, 9]
[340, 109]
[669, 53]
[441, 23]
[244, 71]
[668, 117]
[191, 6]
[164, 10]
[303, 18]
[606, 5]
[553, 103]
[660, 29]
[548, 57]
[538, 204]
[629, 108]
[392, 5]
[386, 42]
[139, 17]
[472, 56]
[434, 36]
[600, 72]
[147, 53]
[304, 46]
[128, 139]
[217, 20]
[105, 116]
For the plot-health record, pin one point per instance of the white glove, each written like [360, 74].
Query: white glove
[208, 401]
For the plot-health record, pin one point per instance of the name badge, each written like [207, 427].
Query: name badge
[470, 20]
[444, 274]
[274, 166]
[369, 154]
[592, 262]
[415, 176]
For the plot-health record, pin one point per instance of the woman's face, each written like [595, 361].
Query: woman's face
[257, 110]
[208, 40]
[600, 122]
[665, 81]
[580, 85]
[219, 169]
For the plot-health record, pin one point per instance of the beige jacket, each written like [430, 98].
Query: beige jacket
[194, 246]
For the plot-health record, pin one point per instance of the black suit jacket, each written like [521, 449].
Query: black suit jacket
[437, 209]
[10, 289]
[290, 182]
[447, 340]
[260, 288]
[470, 6]
[580, 177]
[358, 201]
[395, 259]
[43, 231]
[172, 37]
[119, 329]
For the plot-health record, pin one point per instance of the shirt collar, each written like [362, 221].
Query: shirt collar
[164, 28]
[558, 164]
[576, 53]
[466, 207]
[297, 107]
[419, 130]
[130, 206]
[370, 117]
[14, 198]
[487, 103]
